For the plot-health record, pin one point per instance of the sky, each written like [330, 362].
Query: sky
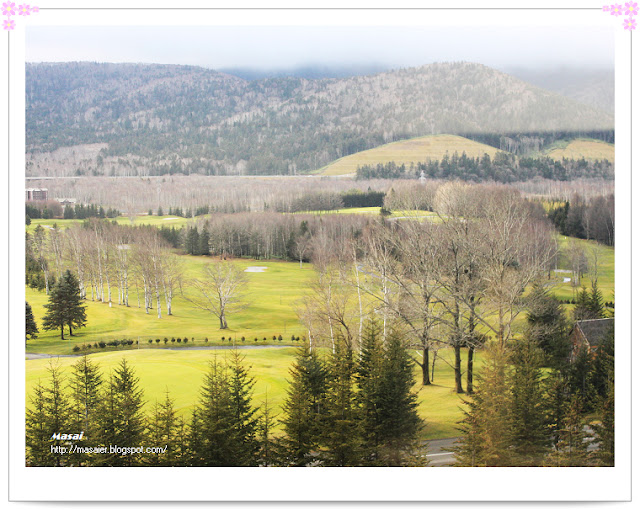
[272, 47]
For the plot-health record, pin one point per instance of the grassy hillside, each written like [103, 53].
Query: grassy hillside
[415, 150]
[583, 148]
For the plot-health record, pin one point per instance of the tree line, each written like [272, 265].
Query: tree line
[586, 219]
[340, 410]
[504, 168]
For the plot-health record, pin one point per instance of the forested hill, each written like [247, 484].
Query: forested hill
[137, 119]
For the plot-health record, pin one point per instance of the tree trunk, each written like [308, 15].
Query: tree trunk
[457, 371]
[223, 322]
[70, 331]
[425, 366]
[470, 370]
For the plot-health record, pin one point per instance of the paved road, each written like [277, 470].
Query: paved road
[439, 452]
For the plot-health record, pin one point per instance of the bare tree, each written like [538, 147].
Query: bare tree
[219, 291]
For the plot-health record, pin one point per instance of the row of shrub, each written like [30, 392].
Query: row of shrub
[173, 340]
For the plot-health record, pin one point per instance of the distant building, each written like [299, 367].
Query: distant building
[36, 194]
[590, 334]
[423, 177]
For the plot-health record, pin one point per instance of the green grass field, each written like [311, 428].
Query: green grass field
[181, 373]
[415, 150]
[272, 297]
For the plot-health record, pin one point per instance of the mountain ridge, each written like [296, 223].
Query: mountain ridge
[159, 119]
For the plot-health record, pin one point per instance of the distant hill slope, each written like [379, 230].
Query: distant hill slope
[582, 148]
[592, 87]
[416, 150]
[158, 119]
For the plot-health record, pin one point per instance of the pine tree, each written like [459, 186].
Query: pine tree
[165, 431]
[267, 454]
[340, 425]
[121, 421]
[368, 379]
[485, 427]
[596, 302]
[49, 414]
[602, 366]
[303, 409]
[65, 306]
[580, 380]
[557, 400]
[547, 326]
[85, 385]
[399, 422]
[214, 421]
[38, 435]
[245, 422]
[528, 427]
[31, 327]
[203, 246]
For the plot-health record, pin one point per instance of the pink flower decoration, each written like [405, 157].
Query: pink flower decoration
[8, 24]
[632, 8]
[630, 24]
[24, 10]
[8, 9]
[35, 8]
[616, 10]
[605, 8]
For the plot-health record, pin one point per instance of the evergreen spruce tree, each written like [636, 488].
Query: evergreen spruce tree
[56, 315]
[547, 326]
[368, 380]
[120, 418]
[65, 306]
[557, 401]
[596, 302]
[602, 366]
[245, 420]
[303, 409]
[214, 421]
[85, 385]
[37, 433]
[268, 453]
[203, 247]
[580, 379]
[485, 427]
[31, 327]
[165, 431]
[49, 414]
[341, 439]
[399, 422]
[528, 417]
